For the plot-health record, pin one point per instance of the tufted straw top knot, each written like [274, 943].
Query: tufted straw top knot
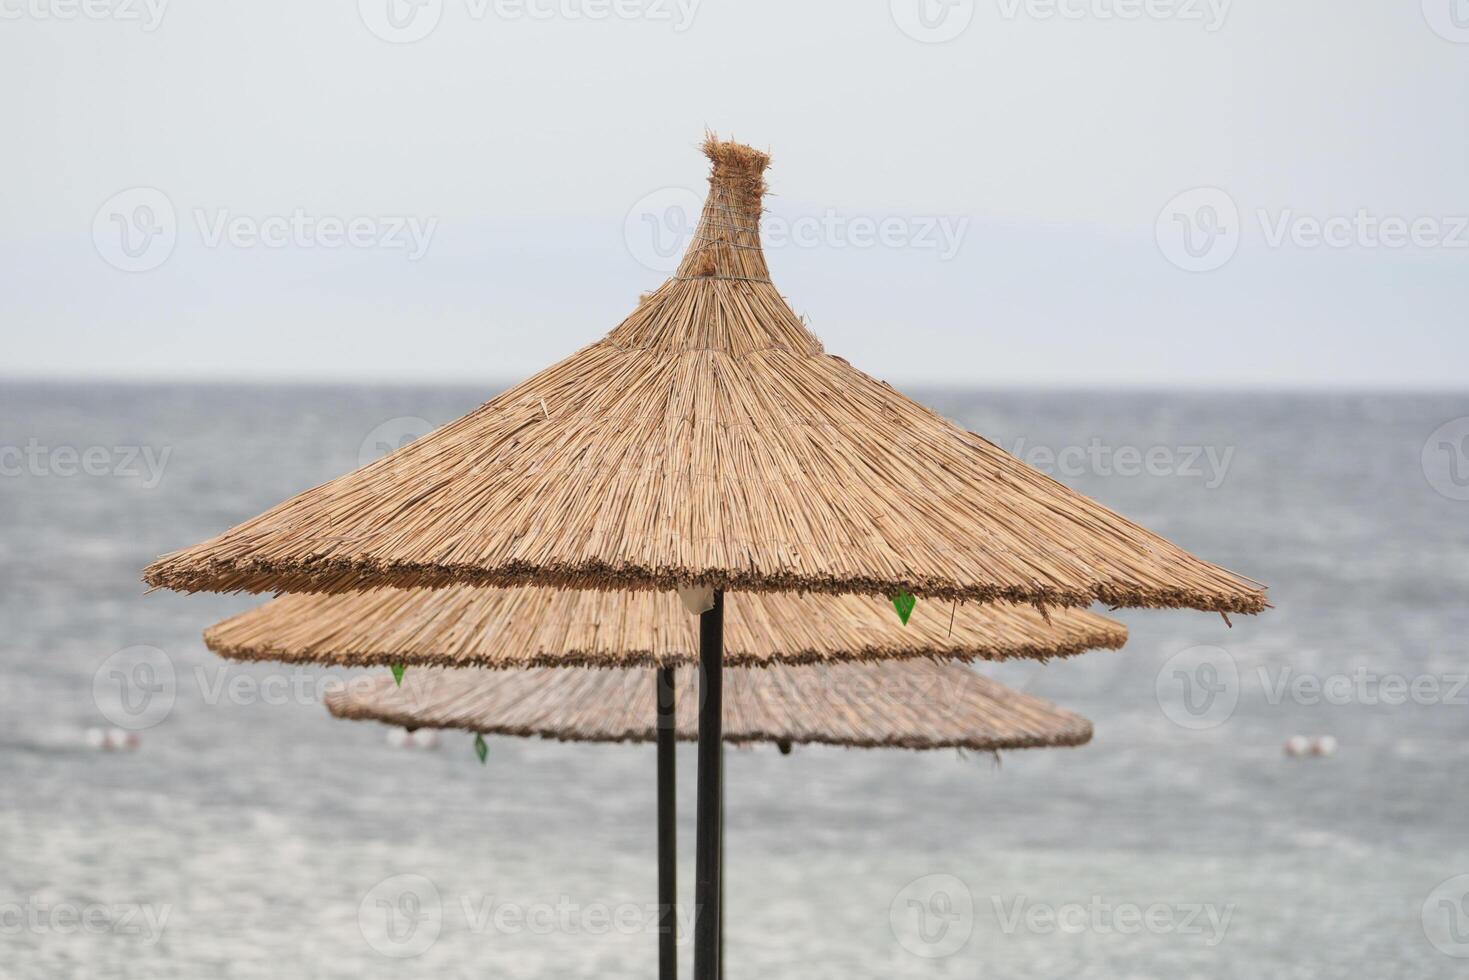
[726, 242]
[708, 440]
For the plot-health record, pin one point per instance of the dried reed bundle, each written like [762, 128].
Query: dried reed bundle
[708, 440]
[472, 627]
[923, 705]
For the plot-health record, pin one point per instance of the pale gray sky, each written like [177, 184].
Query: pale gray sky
[998, 207]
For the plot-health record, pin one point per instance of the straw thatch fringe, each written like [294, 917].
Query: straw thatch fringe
[498, 628]
[708, 440]
[924, 705]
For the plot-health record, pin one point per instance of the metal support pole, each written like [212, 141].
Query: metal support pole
[710, 792]
[667, 828]
[721, 861]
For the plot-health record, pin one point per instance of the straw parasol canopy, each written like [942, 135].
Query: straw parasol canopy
[708, 440]
[926, 705]
[464, 626]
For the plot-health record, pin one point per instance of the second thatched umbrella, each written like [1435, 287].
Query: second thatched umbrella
[498, 628]
[919, 705]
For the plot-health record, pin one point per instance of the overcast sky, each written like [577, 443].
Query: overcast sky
[1101, 192]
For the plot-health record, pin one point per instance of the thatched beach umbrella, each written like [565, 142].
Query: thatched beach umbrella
[918, 705]
[708, 441]
[464, 626]
[926, 705]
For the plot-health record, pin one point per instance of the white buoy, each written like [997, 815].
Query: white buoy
[1314, 745]
[399, 737]
[425, 738]
[96, 738]
[120, 740]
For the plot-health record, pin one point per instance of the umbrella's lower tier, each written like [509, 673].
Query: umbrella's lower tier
[916, 704]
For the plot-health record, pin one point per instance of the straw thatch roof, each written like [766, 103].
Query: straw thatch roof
[472, 627]
[924, 705]
[708, 440]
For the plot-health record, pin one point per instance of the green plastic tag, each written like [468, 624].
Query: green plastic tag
[904, 603]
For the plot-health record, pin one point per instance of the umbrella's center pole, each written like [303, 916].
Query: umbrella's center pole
[707, 870]
[667, 828]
